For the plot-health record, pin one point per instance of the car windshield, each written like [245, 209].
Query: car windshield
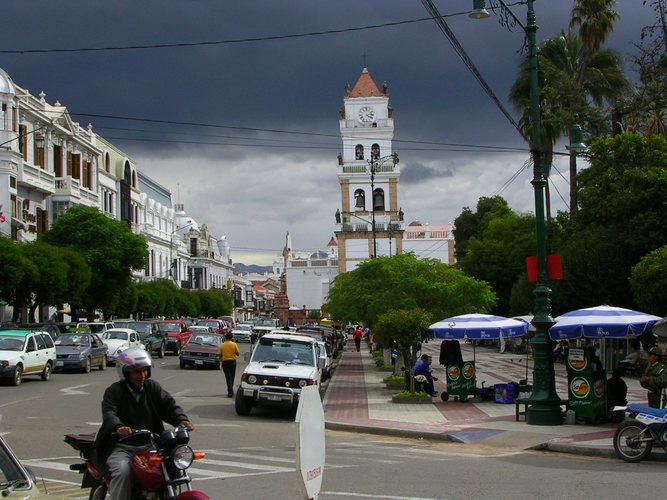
[169, 327]
[115, 335]
[213, 340]
[11, 343]
[73, 340]
[265, 322]
[283, 351]
[243, 327]
[199, 329]
[95, 327]
[214, 324]
[140, 328]
[10, 473]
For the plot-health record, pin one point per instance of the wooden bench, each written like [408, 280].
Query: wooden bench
[519, 402]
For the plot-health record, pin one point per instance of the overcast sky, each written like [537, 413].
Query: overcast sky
[266, 162]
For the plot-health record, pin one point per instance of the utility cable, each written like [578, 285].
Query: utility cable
[460, 51]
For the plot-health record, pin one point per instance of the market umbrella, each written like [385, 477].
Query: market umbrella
[478, 327]
[660, 327]
[601, 322]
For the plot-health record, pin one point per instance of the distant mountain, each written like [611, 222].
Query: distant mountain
[240, 268]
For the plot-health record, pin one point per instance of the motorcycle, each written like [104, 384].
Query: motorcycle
[635, 437]
[158, 473]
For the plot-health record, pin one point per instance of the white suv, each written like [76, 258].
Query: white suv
[281, 364]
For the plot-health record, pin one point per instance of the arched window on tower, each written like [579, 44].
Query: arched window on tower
[378, 200]
[360, 200]
[359, 152]
[375, 151]
[107, 162]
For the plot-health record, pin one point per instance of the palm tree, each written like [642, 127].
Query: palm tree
[595, 19]
[572, 79]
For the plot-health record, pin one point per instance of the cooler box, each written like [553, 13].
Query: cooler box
[504, 393]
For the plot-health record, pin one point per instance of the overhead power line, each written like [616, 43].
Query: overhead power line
[221, 42]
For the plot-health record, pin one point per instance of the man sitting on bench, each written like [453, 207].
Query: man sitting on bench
[423, 367]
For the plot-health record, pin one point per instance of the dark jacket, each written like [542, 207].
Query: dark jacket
[119, 408]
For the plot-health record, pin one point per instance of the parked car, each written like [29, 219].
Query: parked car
[202, 350]
[218, 325]
[119, 339]
[50, 328]
[325, 355]
[281, 364]
[26, 352]
[81, 351]
[17, 480]
[177, 333]
[242, 333]
[154, 340]
[201, 329]
[98, 327]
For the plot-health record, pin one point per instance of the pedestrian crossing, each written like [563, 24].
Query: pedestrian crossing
[55, 478]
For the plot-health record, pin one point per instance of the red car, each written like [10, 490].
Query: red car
[219, 326]
[177, 334]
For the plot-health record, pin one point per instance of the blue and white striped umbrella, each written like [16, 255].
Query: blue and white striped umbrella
[478, 327]
[601, 322]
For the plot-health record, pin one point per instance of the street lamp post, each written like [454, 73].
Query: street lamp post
[575, 146]
[544, 408]
[374, 163]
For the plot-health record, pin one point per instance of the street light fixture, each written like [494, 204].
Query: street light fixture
[576, 146]
[544, 408]
[171, 248]
[375, 163]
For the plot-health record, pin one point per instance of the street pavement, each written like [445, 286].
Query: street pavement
[357, 400]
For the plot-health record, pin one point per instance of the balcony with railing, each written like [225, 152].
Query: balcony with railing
[362, 167]
[70, 187]
[36, 178]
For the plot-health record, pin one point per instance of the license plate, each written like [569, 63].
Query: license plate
[198, 362]
[271, 397]
[59, 363]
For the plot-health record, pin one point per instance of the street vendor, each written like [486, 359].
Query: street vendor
[654, 378]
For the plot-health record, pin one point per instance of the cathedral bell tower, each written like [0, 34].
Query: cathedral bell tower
[369, 220]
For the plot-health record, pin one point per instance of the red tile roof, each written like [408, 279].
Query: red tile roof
[365, 86]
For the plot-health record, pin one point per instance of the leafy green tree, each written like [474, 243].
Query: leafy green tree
[595, 19]
[403, 281]
[648, 280]
[157, 298]
[471, 224]
[17, 274]
[214, 303]
[109, 247]
[573, 79]
[406, 327]
[187, 303]
[51, 280]
[622, 197]
[499, 255]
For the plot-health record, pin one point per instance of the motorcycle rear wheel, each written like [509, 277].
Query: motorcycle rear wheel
[632, 441]
[98, 492]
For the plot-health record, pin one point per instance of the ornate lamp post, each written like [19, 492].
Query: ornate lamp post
[374, 163]
[544, 408]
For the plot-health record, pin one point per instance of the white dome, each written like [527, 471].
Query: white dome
[6, 84]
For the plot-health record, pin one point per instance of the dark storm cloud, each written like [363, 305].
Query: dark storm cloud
[417, 172]
[278, 99]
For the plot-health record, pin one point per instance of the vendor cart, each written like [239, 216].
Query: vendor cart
[461, 381]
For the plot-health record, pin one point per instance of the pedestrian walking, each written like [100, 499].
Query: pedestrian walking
[229, 351]
[357, 337]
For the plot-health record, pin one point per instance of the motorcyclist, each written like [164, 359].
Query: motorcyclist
[134, 402]
[654, 378]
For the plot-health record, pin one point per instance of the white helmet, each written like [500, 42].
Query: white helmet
[134, 357]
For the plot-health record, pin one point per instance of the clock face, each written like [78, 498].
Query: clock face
[366, 114]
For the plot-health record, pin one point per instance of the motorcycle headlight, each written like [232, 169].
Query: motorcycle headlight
[183, 457]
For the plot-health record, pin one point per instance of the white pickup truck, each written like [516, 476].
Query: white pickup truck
[281, 364]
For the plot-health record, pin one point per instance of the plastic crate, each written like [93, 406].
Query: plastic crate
[504, 393]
